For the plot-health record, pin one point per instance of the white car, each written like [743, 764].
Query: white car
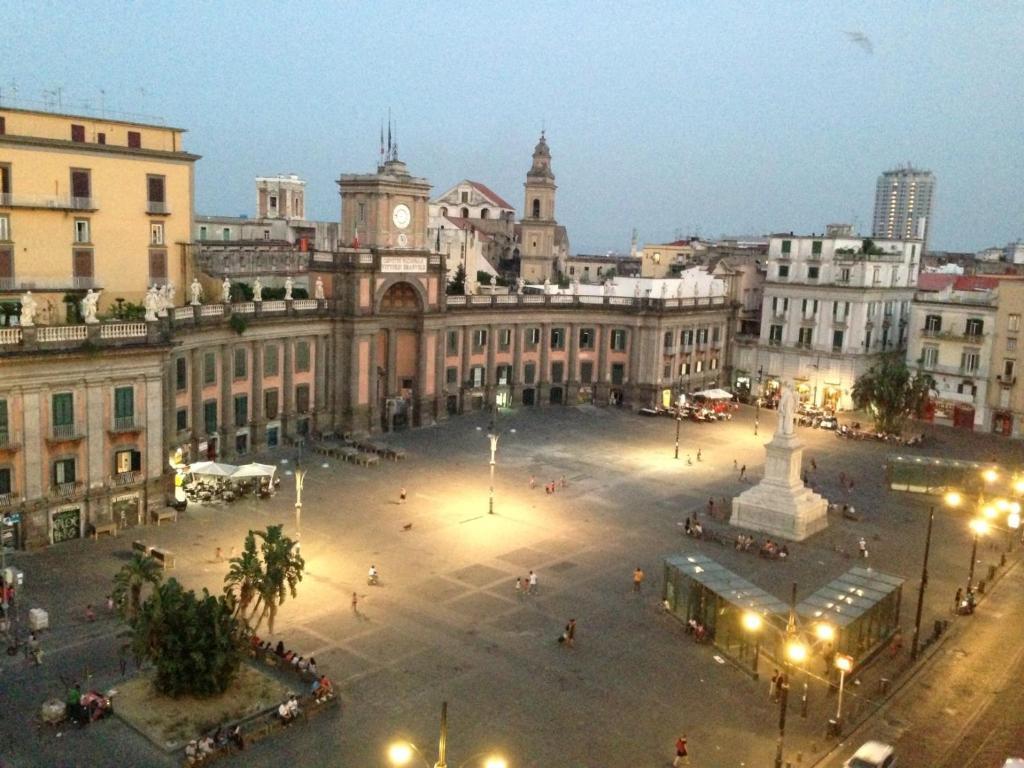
[872, 754]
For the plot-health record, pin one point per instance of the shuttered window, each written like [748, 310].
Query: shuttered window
[63, 409]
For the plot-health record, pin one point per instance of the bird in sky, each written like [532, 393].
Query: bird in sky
[862, 40]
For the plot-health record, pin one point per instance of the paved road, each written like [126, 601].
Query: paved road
[963, 709]
[447, 625]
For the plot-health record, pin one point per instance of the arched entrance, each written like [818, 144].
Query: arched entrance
[397, 360]
[556, 395]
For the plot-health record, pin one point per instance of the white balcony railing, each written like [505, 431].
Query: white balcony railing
[61, 333]
[122, 330]
[300, 305]
[273, 306]
[49, 201]
[10, 336]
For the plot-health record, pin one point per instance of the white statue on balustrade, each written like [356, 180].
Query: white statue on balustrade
[787, 411]
[576, 286]
[664, 289]
[197, 291]
[679, 289]
[29, 307]
[165, 298]
[636, 290]
[288, 285]
[257, 290]
[151, 301]
[318, 290]
[89, 304]
[519, 285]
[225, 291]
[494, 282]
[610, 285]
[547, 286]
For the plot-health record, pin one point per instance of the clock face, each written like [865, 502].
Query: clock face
[401, 216]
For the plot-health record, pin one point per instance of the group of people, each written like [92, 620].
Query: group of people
[773, 550]
[693, 528]
[550, 487]
[963, 602]
[286, 657]
[526, 585]
[288, 710]
[697, 629]
[198, 751]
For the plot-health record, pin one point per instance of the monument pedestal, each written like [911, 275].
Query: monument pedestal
[780, 505]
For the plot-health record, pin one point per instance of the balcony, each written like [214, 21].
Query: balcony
[1006, 381]
[774, 342]
[65, 490]
[785, 256]
[122, 424]
[48, 202]
[47, 283]
[122, 479]
[9, 442]
[8, 500]
[62, 433]
[157, 208]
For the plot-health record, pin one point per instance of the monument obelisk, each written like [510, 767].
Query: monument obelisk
[781, 505]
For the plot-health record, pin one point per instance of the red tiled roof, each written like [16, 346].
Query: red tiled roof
[935, 281]
[975, 283]
[489, 193]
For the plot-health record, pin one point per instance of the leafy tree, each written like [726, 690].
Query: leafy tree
[891, 392]
[261, 579]
[130, 581]
[457, 285]
[195, 642]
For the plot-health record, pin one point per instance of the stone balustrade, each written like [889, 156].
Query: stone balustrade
[122, 330]
[61, 333]
[211, 310]
[10, 335]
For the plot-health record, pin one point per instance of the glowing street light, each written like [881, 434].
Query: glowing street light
[753, 623]
[844, 664]
[400, 753]
[990, 476]
[953, 499]
[796, 652]
[825, 632]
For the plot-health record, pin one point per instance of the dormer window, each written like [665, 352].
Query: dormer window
[463, 196]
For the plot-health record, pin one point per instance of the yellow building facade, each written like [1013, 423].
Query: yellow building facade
[91, 203]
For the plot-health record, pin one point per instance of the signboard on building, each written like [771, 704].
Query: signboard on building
[403, 264]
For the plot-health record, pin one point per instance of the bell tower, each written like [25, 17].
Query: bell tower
[537, 227]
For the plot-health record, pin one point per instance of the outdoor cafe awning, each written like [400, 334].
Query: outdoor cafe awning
[254, 470]
[849, 597]
[212, 469]
[714, 394]
[729, 586]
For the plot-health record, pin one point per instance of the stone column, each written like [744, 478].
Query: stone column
[288, 385]
[321, 409]
[601, 383]
[227, 421]
[259, 418]
[170, 392]
[33, 445]
[374, 424]
[572, 376]
[392, 358]
[517, 364]
[440, 386]
[352, 420]
[155, 457]
[196, 395]
[544, 372]
[422, 405]
[490, 374]
[464, 380]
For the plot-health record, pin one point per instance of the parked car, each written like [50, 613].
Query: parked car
[828, 421]
[872, 754]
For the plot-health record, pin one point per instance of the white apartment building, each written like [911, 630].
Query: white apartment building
[951, 339]
[830, 307]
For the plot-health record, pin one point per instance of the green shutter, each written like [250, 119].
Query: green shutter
[4, 424]
[63, 410]
[124, 402]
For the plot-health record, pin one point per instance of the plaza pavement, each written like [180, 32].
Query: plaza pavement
[445, 623]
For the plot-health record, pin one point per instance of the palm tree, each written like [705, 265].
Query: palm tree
[244, 575]
[264, 580]
[130, 580]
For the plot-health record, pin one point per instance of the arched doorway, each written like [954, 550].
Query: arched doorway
[400, 298]
[556, 395]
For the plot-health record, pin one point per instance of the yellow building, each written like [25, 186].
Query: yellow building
[90, 203]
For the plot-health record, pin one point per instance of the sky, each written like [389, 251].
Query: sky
[680, 118]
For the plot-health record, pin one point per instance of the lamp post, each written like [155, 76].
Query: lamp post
[753, 623]
[679, 422]
[757, 399]
[844, 664]
[493, 437]
[915, 645]
[401, 752]
[978, 527]
[794, 651]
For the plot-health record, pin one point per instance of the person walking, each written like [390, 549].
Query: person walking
[533, 482]
[401, 496]
[682, 752]
[519, 588]
[774, 687]
[638, 579]
[958, 598]
[531, 588]
[862, 546]
[743, 472]
[570, 633]
[735, 464]
[699, 455]
[355, 603]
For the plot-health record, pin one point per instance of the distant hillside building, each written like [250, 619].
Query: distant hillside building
[903, 204]
[474, 227]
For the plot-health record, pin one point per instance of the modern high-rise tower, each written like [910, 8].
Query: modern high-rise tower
[903, 204]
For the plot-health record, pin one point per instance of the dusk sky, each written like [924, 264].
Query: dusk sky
[677, 118]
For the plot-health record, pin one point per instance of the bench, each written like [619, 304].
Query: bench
[160, 515]
[138, 546]
[108, 528]
[163, 556]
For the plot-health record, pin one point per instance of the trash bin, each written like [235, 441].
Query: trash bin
[833, 728]
[883, 685]
[991, 573]
[937, 629]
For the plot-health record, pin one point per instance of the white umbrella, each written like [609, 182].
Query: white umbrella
[254, 470]
[714, 394]
[212, 469]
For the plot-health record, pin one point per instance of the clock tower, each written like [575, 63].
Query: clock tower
[386, 210]
[537, 227]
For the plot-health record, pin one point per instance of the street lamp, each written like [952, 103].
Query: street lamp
[679, 423]
[979, 527]
[752, 623]
[757, 399]
[493, 437]
[951, 499]
[844, 664]
[400, 753]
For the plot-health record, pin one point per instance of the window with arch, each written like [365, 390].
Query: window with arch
[536, 208]
[465, 213]
[444, 211]
[485, 213]
[400, 297]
